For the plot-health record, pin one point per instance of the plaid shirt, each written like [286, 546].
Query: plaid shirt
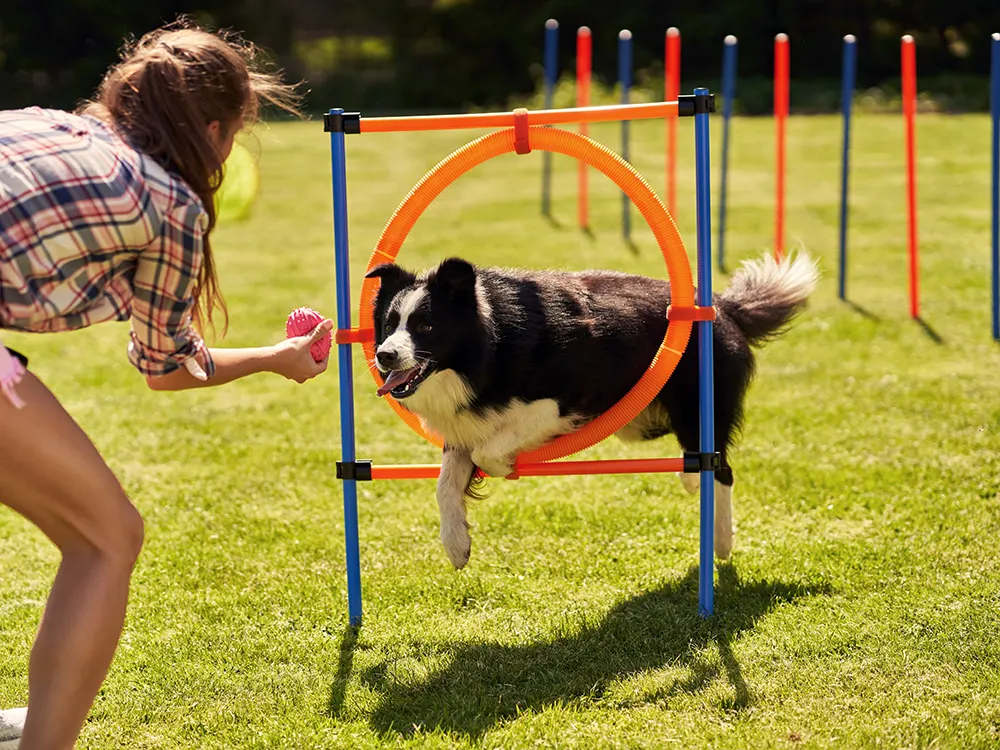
[92, 230]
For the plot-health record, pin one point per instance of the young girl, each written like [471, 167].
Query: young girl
[106, 215]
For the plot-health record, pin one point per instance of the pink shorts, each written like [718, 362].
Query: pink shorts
[13, 365]
[18, 355]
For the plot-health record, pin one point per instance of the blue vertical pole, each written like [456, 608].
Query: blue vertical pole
[728, 93]
[625, 77]
[551, 73]
[706, 377]
[846, 99]
[995, 112]
[343, 269]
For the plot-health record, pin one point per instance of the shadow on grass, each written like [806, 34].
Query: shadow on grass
[931, 333]
[344, 668]
[487, 683]
[864, 313]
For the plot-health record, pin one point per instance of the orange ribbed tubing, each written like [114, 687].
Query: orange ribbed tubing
[648, 204]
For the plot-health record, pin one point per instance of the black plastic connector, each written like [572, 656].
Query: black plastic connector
[342, 122]
[698, 462]
[689, 105]
[360, 471]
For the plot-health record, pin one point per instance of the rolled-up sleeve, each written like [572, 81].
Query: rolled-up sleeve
[163, 338]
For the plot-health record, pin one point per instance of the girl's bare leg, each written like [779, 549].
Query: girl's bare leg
[54, 476]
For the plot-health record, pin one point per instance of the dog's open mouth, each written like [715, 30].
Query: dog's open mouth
[402, 383]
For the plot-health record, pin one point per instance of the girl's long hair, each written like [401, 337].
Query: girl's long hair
[162, 96]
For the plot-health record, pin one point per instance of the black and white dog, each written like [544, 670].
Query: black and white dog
[500, 361]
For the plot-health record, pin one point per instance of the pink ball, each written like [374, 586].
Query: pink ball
[301, 322]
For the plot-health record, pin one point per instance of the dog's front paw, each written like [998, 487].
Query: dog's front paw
[457, 543]
[493, 466]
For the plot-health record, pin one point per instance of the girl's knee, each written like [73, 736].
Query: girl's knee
[133, 534]
[117, 536]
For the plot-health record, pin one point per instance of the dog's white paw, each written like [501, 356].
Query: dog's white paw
[691, 482]
[724, 526]
[457, 543]
[723, 541]
[492, 465]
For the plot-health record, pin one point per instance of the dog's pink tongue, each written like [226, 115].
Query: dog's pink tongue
[396, 378]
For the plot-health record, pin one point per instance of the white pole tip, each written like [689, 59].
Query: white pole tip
[583, 31]
[624, 35]
[673, 31]
[996, 37]
[781, 37]
[850, 39]
[730, 40]
[908, 39]
[552, 24]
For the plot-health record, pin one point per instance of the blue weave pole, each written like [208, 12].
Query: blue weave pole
[706, 377]
[729, 49]
[343, 270]
[551, 58]
[625, 78]
[995, 113]
[849, 68]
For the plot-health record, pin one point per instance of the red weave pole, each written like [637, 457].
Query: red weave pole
[583, 59]
[672, 88]
[909, 61]
[546, 469]
[780, 115]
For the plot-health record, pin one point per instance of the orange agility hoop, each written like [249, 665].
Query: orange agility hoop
[646, 201]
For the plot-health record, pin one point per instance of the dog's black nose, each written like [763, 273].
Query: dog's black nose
[387, 359]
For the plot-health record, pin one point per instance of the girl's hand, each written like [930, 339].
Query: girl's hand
[292, 358]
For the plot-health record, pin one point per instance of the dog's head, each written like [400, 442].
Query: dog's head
[423, 325]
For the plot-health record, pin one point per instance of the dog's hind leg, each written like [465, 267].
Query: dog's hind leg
[456, 470]
[685, 421]
[725, 528]
[691, 482]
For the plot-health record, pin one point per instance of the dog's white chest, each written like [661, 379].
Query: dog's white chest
[440, 403]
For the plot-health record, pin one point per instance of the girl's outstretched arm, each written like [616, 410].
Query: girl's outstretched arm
[290, 358]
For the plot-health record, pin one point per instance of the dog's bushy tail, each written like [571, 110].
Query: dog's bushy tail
[765, 295]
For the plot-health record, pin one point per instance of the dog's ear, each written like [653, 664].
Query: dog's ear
[393, 280]
[393, 277]
[455, 277]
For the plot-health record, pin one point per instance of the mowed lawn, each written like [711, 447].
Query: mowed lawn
[862, 604]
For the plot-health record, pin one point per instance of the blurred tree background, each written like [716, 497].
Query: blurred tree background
[435, 55]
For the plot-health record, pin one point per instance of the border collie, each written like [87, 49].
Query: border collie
[499, 361]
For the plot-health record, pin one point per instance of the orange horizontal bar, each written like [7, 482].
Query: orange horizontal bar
[610, 113]
[546, 469]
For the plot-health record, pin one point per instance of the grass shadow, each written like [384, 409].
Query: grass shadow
[631, 245]
[931, 333]
[345, 667]
[864, 313]
[552, 221]
[487, 683]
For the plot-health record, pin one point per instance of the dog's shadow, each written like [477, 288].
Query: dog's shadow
[485, 684]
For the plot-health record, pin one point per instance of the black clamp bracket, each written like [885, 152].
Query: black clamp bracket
[342, 122]
[698, 462]
[689, 105]
[360, 471]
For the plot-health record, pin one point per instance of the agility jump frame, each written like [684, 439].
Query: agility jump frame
[339, 123]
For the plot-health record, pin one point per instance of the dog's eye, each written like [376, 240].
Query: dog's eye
[424, 328]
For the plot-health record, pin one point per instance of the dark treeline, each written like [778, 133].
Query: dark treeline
[436, 54]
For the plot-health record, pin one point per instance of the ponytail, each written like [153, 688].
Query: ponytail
[162, 96]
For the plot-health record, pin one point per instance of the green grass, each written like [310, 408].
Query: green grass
[860, 609]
